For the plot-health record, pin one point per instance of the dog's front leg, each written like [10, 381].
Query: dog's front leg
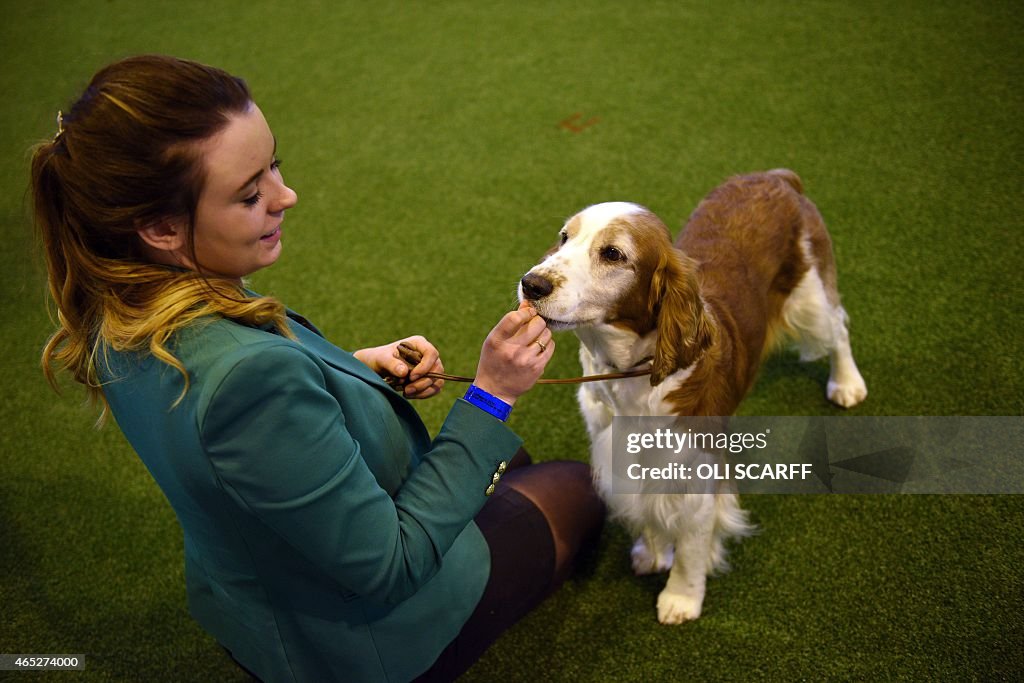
[683, 596]
[649, 555]
[596, 414]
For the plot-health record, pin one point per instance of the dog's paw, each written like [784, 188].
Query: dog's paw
[675, 608]
[847, 393]
[647, 562]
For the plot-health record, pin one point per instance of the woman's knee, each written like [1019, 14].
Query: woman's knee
[564, 493]
[551, 482]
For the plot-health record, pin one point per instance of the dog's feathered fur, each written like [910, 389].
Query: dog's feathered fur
[752, 267]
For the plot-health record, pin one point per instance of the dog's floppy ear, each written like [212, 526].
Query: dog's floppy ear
[684, 329]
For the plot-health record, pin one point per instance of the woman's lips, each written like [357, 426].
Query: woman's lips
[272, 236]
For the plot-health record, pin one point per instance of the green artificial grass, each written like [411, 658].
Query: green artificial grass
[425, 141]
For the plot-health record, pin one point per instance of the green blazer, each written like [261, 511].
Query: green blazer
[327, 537]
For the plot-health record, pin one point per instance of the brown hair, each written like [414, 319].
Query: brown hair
[127, 155]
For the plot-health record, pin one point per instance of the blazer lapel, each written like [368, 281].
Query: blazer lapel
[344, 361]
[313, 339]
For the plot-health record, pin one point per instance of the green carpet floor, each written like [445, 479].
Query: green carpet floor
[436, 149]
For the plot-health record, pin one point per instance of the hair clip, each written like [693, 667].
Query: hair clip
[60, 125]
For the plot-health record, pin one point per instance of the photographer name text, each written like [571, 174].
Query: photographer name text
[720, 472]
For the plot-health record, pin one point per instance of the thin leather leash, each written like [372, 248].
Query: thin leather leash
[412, 356]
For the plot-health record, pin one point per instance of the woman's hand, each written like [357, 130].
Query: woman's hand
[514, 354]
[387, 362]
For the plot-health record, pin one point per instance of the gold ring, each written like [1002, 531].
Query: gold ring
[543, 347]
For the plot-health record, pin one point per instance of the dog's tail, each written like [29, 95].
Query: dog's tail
[731, 521]
[790, 177]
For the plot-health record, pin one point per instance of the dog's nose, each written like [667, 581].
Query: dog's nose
[536, 286]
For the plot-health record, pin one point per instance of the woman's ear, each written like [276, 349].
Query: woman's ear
[684, 329]
[163, 234]
[165, 241]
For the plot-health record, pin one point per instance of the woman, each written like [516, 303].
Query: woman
[327, 537]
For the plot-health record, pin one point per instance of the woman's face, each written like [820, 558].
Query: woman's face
[241, 208]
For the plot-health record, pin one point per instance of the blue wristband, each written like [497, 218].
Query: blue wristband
[487, 403]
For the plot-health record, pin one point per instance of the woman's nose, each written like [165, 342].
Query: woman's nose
[286, 198]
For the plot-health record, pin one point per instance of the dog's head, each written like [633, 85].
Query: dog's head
[614, 264]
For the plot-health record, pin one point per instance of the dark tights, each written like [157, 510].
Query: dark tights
[538, 520]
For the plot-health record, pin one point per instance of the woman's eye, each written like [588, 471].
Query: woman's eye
[612, 255]
[275, 165]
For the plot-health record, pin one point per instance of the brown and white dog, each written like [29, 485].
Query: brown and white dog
[753, 267]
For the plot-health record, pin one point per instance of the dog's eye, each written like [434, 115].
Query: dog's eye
[563, 237]
[612, 255]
